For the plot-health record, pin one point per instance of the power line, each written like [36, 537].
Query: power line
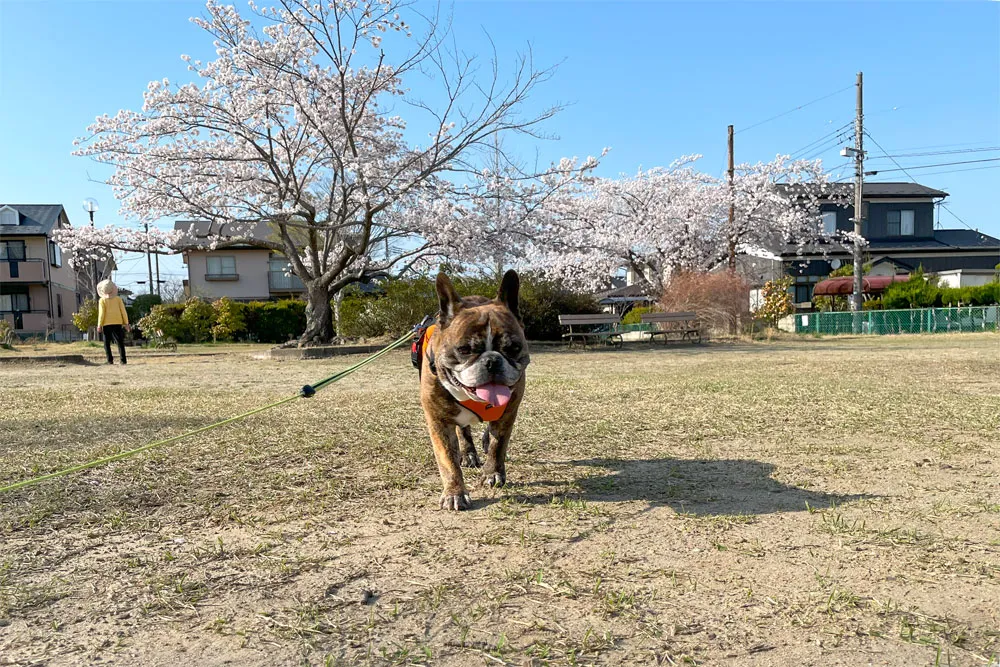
[843, 165]
[920, 148]
[801, 106]
[869, 135]
[954, 215]
[825, 148]
[940, 164]
[956, 171]
[962, 151]
[823, 139]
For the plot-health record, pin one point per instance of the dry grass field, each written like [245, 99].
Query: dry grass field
[806, 502]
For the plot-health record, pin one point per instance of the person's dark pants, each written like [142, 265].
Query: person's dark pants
[116, 332]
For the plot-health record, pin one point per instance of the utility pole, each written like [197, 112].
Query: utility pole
[859, 178]
[149, 261]
[732, 206]
[157, 253]
[91, 207]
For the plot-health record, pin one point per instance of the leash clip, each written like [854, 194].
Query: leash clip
[307, 391]
[423, 324]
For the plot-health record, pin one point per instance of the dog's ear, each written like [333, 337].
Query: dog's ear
[509, 288]
[449, 300]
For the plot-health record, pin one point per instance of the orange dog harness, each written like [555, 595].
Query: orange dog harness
[485, 411]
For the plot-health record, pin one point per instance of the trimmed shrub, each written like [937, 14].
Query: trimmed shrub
[229, 320]
[777, 300]
[275, 321]
[406, 302]
[917, 292]
[634, 316]
[541, 303]
[199, 318]
[86, 318]
[165, 320]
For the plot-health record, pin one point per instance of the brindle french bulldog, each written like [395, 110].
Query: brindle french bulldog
[473, 371]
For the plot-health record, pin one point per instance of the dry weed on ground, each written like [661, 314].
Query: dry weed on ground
[830, 502]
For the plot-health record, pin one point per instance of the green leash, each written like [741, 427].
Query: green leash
[307, 391]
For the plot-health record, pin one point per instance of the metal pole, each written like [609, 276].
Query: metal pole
[732, 204]
[149, 263]
[859, 176]
[157, 273]
[93, 262]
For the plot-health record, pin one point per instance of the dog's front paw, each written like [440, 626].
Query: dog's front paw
[471, 460]
[494, 479]
[456, 502]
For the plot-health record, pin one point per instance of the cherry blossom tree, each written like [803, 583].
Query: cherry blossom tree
[294, 126]
[88, 248]
[503, 207]
[776, 203]
[654, 223]
[676, 218]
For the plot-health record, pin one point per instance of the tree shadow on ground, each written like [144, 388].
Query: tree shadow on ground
[702, 487]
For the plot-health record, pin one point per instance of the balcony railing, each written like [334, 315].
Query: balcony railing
[22, 270]
[277, 281]
[33, 321]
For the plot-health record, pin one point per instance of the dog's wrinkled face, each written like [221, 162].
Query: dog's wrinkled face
[482, 350]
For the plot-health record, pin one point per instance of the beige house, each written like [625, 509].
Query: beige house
[38, 290]
[240, 272]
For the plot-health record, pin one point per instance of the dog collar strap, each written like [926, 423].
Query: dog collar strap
[485, 411]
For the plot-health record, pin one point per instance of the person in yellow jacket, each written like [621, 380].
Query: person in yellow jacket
[112, 320]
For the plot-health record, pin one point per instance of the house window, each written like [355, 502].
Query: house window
[14, 299]
[892, 223]
[803, 293]
[222, 265]
[829, 222]
[55, 254]
[12, 250]
[281, 266]
[8, 216]
[906, 223]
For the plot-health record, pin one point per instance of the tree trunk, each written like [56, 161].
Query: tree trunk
[319, 316]
[336, 313]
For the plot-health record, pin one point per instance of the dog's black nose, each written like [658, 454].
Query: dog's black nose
[494, 364]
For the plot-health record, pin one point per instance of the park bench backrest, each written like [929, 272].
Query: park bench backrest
[574, 320]
[648, 318]
[670, 321]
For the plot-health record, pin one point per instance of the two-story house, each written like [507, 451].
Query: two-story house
[241, 272]
[38, 290]
[898, 224]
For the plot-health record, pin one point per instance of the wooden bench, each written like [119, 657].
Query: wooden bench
[682, 326]
[602, 328]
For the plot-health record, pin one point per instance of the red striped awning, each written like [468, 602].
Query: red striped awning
[845, 285]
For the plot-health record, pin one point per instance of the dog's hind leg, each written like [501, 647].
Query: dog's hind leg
[469, 457]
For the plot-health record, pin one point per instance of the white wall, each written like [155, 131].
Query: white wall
[964, 278]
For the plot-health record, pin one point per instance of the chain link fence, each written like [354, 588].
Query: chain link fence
[917, 320]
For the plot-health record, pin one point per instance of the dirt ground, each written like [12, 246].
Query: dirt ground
[809, 502]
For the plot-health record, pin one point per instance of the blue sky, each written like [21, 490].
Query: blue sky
[652, 80]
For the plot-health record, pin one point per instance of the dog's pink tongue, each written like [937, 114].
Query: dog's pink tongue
[494, 394]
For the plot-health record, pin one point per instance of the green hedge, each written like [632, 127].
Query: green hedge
[403, 303]
[275, 321]
[198, 321]
[919, 292]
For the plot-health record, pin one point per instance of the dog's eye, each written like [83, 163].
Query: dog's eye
[513, 349]
[465, 350]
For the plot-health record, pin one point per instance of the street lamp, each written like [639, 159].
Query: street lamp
[90, 206]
